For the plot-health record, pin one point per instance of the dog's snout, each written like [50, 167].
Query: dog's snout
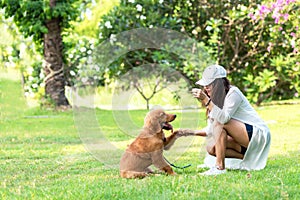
[172, 117]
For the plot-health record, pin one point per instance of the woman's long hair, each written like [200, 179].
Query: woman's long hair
[220, 88]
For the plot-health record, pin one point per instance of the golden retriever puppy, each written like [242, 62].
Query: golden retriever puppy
[147, 148]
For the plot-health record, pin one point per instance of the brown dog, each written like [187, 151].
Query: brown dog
[147, 148]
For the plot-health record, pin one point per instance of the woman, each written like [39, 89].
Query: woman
[233, 125]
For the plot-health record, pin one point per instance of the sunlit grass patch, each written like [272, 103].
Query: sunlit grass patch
[42, 156]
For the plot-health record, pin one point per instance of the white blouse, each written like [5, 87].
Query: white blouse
[236, 106]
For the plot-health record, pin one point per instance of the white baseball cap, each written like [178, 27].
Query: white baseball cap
[210, 74]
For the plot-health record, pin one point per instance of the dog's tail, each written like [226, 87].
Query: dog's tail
[132, 174]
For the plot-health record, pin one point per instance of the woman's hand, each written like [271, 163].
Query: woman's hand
[200, 94]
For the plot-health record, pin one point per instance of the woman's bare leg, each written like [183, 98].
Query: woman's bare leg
[220, 147]
[229, 146]
[233, 149]
[237, 130]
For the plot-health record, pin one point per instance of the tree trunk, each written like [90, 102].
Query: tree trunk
[147, 104]
[53, 66]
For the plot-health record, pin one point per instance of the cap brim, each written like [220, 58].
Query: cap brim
[203, 82]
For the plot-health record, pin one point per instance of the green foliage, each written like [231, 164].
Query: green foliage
[30, 16]
[33, 77]
[77, 46]
[261, 83]
[237, 34]
[78, 57]
[91, 16]
[151, 14]
[227, 31]
[278, 23]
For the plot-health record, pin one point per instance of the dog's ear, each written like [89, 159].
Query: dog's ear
[150, 122]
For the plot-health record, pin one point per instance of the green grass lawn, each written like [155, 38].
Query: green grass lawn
[43, 157]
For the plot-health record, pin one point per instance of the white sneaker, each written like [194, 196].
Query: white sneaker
[214, 171]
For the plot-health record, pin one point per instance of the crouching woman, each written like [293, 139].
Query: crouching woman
[239, 138]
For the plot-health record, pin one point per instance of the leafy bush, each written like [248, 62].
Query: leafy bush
[245, 46]
[257, 42]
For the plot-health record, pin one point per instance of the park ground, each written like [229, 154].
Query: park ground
[43, 157]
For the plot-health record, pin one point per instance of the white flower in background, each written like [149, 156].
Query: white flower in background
[108, 24]
[90, 61]
[142, 17]
[26, 87]
[139, 7]
[83, 49]
[72, 73]
[208, 28]
[189, 3]
[84, 79]
[23, 48]
[30, 70]
[293, 43]
[71, 55]
[42, 75]
[34, 85]
[131, 1]
[92, 46]
[151, 26]
[112, 38]
[161, 1]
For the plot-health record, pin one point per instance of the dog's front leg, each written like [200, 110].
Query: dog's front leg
[160, 163]
[169, 141]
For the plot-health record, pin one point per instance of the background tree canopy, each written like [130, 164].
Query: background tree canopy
[45, 22]
[261, 60]
[257, 42]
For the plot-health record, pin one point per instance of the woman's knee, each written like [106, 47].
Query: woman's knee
[211, 150]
